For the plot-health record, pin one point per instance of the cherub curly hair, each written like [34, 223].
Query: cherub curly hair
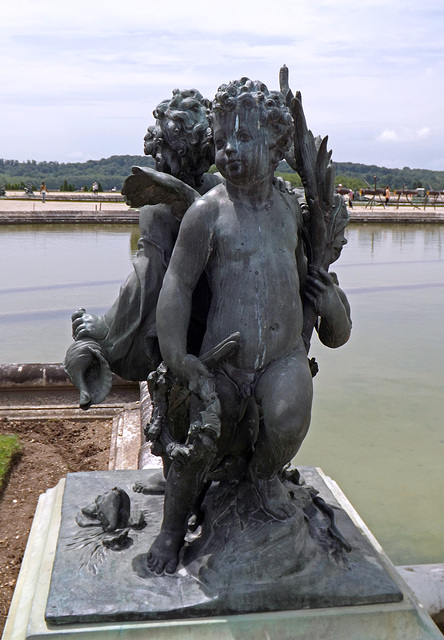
[182, 127]
[270, 104]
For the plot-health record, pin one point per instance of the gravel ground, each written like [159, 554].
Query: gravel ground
[51, 449]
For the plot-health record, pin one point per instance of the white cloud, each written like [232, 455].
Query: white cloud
[79, 67]
[388, 135]
[404, 135]
[423, 133]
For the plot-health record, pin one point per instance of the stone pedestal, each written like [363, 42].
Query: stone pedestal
[65, 578]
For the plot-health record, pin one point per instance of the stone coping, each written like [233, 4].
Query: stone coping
[93, 210]
[105, 211]
[36, 374]
[404, 215]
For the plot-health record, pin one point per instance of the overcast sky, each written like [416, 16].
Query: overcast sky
[79, 80]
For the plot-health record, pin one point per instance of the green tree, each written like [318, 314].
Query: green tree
[111, 172]
[293, 178]
[66, 186]
[353, 183]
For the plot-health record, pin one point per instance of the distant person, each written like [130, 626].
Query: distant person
[95, 188]
[347, 197]
[43, 191]
[387, 195]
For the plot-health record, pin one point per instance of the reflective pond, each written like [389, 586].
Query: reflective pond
[377, 425]
[49, 271]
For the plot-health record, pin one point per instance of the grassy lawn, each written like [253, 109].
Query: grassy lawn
[9, 449]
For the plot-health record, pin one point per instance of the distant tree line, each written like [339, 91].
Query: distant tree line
[394, 178]
[111, 172]
[362, 176]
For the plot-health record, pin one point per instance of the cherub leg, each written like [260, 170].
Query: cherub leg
[284, 392]
[184, 485]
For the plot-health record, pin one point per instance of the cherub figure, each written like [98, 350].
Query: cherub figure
[124, 339]
[245, 237]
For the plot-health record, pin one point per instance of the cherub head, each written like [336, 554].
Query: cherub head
[181, 140]
[339, 220]
[255, 122]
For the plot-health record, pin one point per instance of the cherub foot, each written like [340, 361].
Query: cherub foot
[154, 485]
[275, 498]
[163, 555]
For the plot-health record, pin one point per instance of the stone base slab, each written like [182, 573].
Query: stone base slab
[405, 620]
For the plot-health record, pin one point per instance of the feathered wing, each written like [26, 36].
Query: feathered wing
[325, 176]
[147, 186]
[288, 95]
[312, 160]
[284, 85]
[309, 155]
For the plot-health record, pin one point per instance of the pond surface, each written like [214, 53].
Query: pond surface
[49, 271]
[377, 426]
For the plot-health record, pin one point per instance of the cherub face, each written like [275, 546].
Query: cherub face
[242, 146]
[337, 245]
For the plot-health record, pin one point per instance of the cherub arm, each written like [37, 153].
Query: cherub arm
[331, 305]
[191, 252]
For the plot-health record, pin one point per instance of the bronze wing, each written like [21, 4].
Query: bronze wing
[147, 186]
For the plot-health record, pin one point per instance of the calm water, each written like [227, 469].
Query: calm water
[377, 424]
[49, 271]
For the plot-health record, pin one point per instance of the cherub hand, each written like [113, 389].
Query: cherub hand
[320, 291]
[193, 370]
[85, 325]
[77, 361]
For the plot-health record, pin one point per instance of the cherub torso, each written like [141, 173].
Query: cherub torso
[254, 279]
